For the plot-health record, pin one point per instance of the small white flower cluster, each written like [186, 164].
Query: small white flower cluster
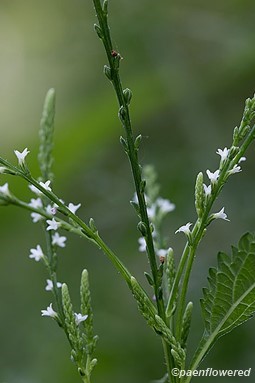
[156, 211]
[213, 178]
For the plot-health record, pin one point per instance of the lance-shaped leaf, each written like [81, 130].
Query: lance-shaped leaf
[229, 300]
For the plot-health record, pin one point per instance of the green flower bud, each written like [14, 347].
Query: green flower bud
[122, 114]
[142, 228]
[127, 95]
[98, 31]
[108, 72]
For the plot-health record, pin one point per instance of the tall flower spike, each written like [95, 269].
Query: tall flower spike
[21, 156]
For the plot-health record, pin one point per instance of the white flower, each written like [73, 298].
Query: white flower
[58, 240]
[223, 153]
[36, 217]
[53, 224]
[36, 203]
[165, 205]
[34, 189]
[142, 244]
[36, 254]
[135, 198]
[220, 215]
[51, 210]
[21, 156]
[184, 229]
[5, 190]
[236, 169]
[207, 190]
[73, 207]
[242, 159]
[162, 252]
[49, 286]
[49, 312]
[213, 176]
[3, 169]
[79, 318]
[45, 185]
[151, 211]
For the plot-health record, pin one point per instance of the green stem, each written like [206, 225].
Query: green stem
[133, 159]
[132, 151]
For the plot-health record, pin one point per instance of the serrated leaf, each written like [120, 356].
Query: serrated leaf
[229, 300]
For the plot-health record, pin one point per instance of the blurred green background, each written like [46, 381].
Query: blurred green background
[190, 65]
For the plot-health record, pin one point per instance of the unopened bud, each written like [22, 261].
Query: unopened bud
[98, 31]
[127, 95]
[108, 72]
[142, 228]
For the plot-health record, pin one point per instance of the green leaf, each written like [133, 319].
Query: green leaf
[229, 300]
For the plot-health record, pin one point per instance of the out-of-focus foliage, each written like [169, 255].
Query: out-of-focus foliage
[190, 65]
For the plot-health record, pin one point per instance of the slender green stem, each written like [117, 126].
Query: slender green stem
[104, 34]
[132, 151]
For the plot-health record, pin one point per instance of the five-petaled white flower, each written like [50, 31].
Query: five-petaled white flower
[73, 208]
[5, 189]
[36, 217]
[53, 224]
[36, 254]
[58, 240]
[45, 185]
[21, 156]
[236, 169]
[223, 153]
[49, 286]
[213, 176]
[207, 190]
[142, 244]
[184, 229]
[49, 312]
[36, 203]
[51, 210]
[220, 215]
[80, 318]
